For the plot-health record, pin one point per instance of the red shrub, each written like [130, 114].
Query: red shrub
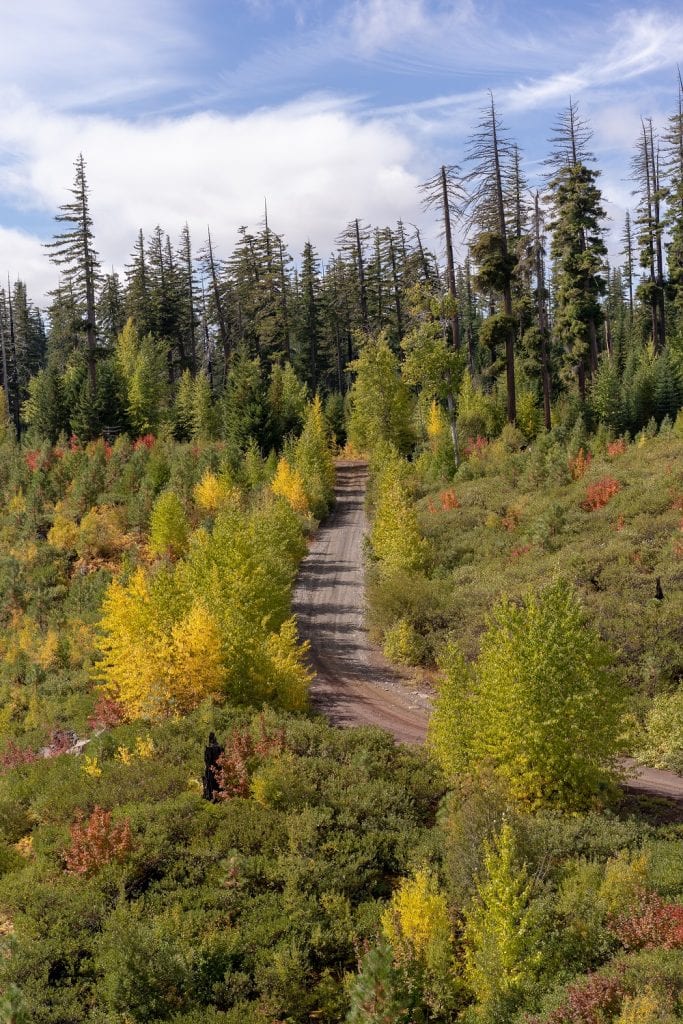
[74, 443]
[241, 750]
[511, 520]
[449, 500]
[658, 924]
[475, 446]
[146, 441]
[615, 448]
[599, 493]
[32, 460]
[13, 756]
[592, 1001]
[96, 841]
[516, 553]
[579, 464]
[106, 714]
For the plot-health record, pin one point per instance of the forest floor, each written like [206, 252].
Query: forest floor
[354, 684]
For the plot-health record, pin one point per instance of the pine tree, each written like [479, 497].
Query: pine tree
[628, 253]
[674, 196]
[490, 151]
[111, 308]
[309, 334]
[74, 252]
[646, 173]
[577, 246]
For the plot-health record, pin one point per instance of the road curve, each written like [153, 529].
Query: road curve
[354, 684]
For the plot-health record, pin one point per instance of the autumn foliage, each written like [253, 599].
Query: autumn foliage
[242, 753]
[656, 925]
[96, 841]
[579, 464]
[600, 493]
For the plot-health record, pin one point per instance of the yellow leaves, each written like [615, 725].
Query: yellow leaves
[213, 624]
[193, 667]
[156, 668]
[417, 916]
[25, 847]
[213, 493]
[144, 748]
[395, 535]
[91, 767]
[291, 678]
[63, 533]
[288, 484]
[100, 534]
[644, 1008]
[437, 424]
[624, 882]
[48, 652]
[168, 526]
[17, 504]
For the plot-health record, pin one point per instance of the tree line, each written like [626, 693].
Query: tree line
[527, 298]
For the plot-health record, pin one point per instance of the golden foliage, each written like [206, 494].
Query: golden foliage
[288, 484]
[214, 492]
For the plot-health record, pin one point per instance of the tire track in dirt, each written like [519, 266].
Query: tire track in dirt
[354, 684]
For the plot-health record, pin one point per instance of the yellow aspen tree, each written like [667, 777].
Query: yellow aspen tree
[288, 483]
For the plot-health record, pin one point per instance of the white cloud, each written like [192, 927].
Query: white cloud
[23, 257]
[316, 161]
[80, 54]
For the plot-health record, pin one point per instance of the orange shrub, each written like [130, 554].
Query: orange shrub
[96, 841]
[475, 446]
[599, 493]
[449, 500]
[579, 464]
[617, 447]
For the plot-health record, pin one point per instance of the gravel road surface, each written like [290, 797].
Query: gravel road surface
[354, 684]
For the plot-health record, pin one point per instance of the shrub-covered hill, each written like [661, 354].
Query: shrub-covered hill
[608, 518]
[248, 910]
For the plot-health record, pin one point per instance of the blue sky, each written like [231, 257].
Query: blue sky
[197, 111]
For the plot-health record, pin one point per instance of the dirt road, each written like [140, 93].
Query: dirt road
[354, 684]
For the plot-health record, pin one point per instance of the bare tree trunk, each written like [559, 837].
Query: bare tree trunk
[507, 291]
[542, 317]
[222, 326]
[90, 326]
[397, 292]
[361, 279]
[450, 265]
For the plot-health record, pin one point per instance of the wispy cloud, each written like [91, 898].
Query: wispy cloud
[76, 54]
[644, 42]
